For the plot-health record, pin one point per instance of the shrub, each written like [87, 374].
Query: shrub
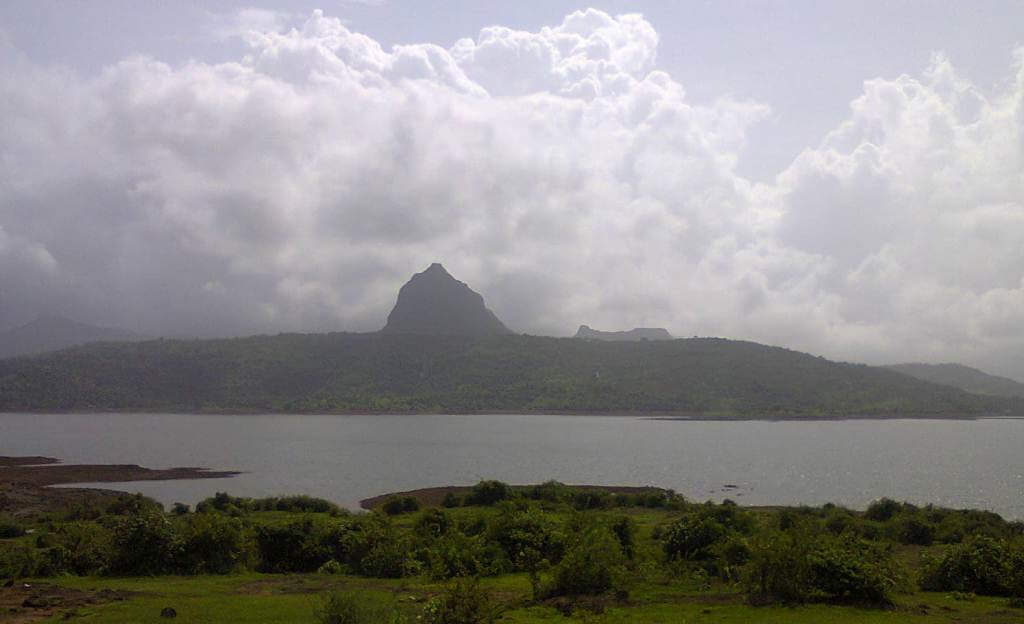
[215, 544]
[352, 608]
[981, 565]
[692, 538]
[88, 547]
[915, 529]
[301, 546]
[882, 510]
[432, 523]
[463, 602]
[517, 530]
[331, 567]
[488, 493]
[451, 500]
[225, 503]
[594, 565]
[394, 505]
[180, 509]
[778, 569]
[144, 544]
[18, 559]
[9, 528]
[790, 568]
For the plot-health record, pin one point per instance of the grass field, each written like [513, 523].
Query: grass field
[260, 598]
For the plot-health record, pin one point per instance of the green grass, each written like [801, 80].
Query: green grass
[291, 598]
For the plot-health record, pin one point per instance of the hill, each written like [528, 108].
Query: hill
[49, 333]
[382, 372]
[434, 302]
[637, 333]
[963, 377]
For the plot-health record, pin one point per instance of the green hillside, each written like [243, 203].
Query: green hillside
[964, 377]
[343, 372]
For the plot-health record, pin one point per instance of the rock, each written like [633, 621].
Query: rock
[434, 302]
[168, 612]
[634, 335]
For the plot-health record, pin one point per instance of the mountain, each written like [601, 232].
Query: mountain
[962, 377]
[49, 333]
[408, 372]
[434, 302]
[637, 333]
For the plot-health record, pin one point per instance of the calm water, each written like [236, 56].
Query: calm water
[347, 458]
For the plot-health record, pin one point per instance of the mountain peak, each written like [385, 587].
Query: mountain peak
[434, 302]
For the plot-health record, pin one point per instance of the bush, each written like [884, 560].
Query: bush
[301, 546]
[593, 566]
[463, 602]
[981, 565]
[215, 544]
[882, 510]
[518, 530]
[180, 509]
[451, 500]
[18, 559]
[791, 568]
[488, 493]
[395, 505]
[915, 530]
[9, 528]
[144, 544]
[432, 523]
[352, 608]
[692, 538]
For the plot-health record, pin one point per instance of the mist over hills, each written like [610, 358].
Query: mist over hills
[962, 377]
[442, 350]
[52, 332]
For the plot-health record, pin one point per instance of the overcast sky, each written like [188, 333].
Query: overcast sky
[844, 179]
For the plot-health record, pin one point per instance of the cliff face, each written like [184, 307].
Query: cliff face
[635, 334]
[434, 302]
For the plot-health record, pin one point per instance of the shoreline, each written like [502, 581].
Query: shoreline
[644, 415]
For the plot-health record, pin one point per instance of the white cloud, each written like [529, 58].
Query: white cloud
[559, 172]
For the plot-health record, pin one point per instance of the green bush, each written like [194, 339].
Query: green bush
[9, 528]
[144, 544]
[215, 544]
[882, 510]
[301, 546]
[463, 602]
[451, 500]
[18, 559]
[517, 530]
[981, 565]
[353, 608]
[432, 523]
[594, 565]
[692, 537]
[394, 505]
[488, 493]
[793, 567]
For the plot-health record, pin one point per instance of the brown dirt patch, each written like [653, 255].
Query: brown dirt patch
[39, 601]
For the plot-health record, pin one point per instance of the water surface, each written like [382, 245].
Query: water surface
[346, 458]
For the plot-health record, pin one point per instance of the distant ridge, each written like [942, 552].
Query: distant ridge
[52, 332]
[635, 334]
[963, 377]
[434, 302]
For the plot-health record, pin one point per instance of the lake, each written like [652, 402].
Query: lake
[956, 463]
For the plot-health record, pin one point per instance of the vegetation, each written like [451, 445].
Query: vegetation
[420, 373]
[540, 549]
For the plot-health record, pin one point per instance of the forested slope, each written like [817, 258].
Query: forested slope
[405, 372]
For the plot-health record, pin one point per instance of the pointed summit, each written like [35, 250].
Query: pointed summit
[434, 302]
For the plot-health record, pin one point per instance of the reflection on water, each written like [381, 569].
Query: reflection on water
[346, 458]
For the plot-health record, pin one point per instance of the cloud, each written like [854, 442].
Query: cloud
[559, 172]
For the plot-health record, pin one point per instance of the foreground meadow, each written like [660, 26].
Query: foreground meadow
[546, 553]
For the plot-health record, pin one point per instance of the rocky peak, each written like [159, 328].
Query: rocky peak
[434, 302]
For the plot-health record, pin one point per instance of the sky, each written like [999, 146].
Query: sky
[845, 179]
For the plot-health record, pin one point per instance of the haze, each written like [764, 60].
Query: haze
[846, 181]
